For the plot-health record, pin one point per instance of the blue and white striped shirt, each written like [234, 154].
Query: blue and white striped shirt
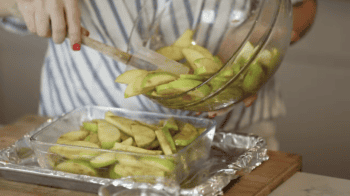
[75, 79]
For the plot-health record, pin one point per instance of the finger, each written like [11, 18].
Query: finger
[28, 14]
[212, 115]
[250, 100]
[73, 22]
[30, 22]
[58, 22]
[85, 32]
[42, 21]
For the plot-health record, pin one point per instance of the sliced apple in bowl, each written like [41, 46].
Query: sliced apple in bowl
[157, 78]
[183, 85]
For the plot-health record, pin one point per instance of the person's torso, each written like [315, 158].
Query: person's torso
[73, 79]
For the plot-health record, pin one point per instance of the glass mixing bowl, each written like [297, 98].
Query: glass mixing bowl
[250, 37]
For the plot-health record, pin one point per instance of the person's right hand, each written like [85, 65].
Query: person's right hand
[54, 18]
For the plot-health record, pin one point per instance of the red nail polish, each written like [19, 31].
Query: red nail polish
[213, 115]
[76, 47]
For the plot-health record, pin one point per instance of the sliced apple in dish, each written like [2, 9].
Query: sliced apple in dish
[122, 123]
[143, 135]
[77, 167]
[186, 136]
[108, 134]
[103, 160]
[122, 147]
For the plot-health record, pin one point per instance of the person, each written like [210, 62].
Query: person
[74, 76]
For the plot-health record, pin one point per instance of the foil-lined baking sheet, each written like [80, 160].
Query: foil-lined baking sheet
[230, 153]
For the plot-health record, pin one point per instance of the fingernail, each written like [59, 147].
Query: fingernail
[76, 47]
[213, 115]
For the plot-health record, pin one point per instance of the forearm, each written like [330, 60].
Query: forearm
[4, 5]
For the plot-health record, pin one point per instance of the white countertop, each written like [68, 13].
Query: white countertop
[305, 184]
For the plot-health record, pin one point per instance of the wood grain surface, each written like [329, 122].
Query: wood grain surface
[261, 181]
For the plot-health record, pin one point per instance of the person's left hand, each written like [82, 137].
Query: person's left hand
[53, 18]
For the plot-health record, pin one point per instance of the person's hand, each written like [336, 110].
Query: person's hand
[304, 14]
[247, 102]
[53, 18]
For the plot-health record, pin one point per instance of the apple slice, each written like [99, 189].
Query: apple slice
[126, 159]
[179, 86]
[169, 138]
[245, 54]
[200, 92]
[91, 126]
[205, 67]
[163, 164]
[167, 89]
[75, 135]
[123, 124]
[93, 138]
[185, 39]
[54, 159]
[157, 78]
[111, 172]
[192, 77]
[103, 160]
[218, 61]
[170, 123]
[201, 130]
[77, 167]
[143, 135]
[134, 88]
[275, 56]
[128, 142]
[186, 136]
[153, 127]
[205, 52]
[191, 55]
[171, 52]
[80, 153]
[108, 134]
[264, 57]
[254, 78]
[154, 144]
[127, 170]
[130, 76]
[164, 144]
[217, 83]
[122, 147]
[227, 73]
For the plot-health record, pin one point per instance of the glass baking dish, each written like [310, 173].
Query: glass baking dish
[184, 161]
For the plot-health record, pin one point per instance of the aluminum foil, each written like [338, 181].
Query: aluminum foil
[230, 153]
